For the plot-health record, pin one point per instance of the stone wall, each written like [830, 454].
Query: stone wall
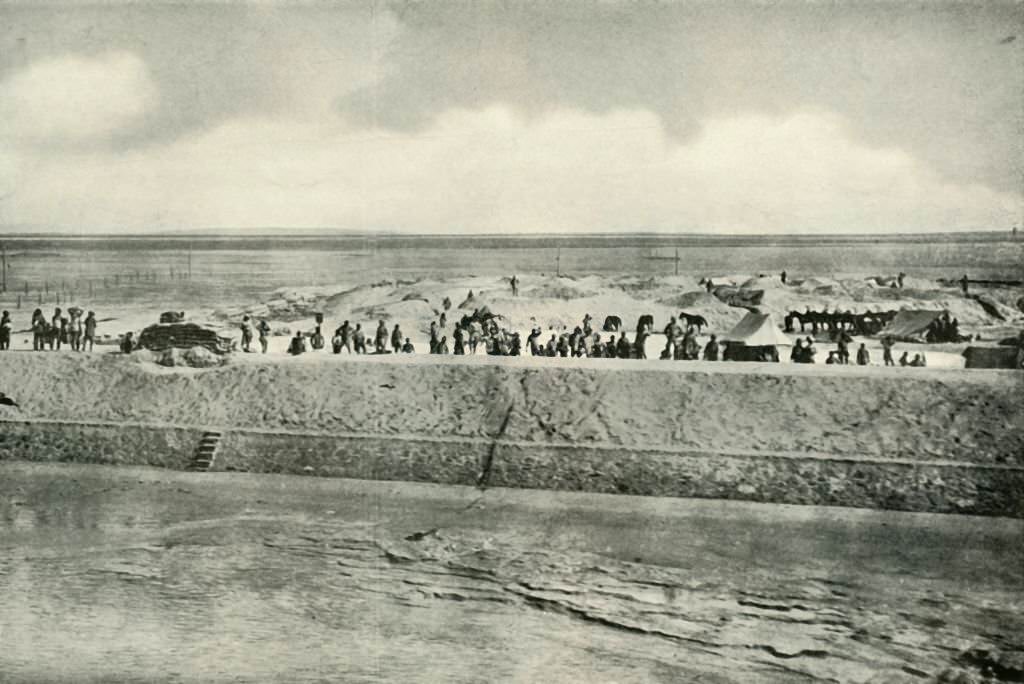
[950, 441]
[109, 444]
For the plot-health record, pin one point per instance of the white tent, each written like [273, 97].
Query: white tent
[756, 330]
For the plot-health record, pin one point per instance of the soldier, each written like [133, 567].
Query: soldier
[359, 339]
[711, 349]
[887, 343]
[863, 357]
[246, 334]
[396, 339]
[625, 349]
[5, 330]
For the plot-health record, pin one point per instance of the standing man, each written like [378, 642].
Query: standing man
[711, 349]
[246, 335]
[57, 330]
[396, 339]
[964, 282]
[264, 330]
[887, 343]
[5, 330]
[515, 285]
[90, 330]
[359, 339]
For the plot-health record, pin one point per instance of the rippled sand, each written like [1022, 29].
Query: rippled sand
[132, 574]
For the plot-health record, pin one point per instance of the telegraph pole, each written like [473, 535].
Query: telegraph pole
[558, 262]
[677, 261]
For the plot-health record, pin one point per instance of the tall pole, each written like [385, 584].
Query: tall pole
[190, 260]
[677, 261]
[558, 262]
[3, 267]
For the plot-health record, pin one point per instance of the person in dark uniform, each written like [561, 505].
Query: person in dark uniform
[711, 349]
[863, 357]
[460, 341]
[796, 355]
[625, 350]
[407, 348]
[5, 330]
[396, 339]
[127, 343]
[298, 344]
[964, 282]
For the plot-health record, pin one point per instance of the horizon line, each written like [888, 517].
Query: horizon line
[225, 232]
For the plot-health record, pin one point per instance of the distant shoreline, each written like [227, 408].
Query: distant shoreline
[305, 240]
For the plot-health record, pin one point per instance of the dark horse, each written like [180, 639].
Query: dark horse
[645, 321]
[694, 319]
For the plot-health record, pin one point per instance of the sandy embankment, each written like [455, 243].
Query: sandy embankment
[930, 440]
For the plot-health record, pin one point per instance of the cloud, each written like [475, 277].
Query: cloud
[75, 99]
[494, 170]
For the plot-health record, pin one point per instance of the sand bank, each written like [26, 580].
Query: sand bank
[928, 440]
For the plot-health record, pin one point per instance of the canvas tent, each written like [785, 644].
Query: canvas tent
[756, 330]
[910, 326]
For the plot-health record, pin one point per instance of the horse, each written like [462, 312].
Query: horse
[694, 320]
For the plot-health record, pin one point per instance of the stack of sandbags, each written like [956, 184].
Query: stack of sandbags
[163, 336]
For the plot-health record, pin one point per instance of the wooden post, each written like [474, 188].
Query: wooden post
[190, 260]
[677, 261]
[558, 262]
[3, 267]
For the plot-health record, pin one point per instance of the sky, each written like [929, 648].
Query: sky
[512, 117]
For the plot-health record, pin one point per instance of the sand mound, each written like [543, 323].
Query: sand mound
[819, 286]
[761, 283]
[698, 299]
[559, 289]
[404, 310]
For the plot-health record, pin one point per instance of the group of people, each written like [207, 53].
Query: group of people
[73, 329]
[943, 329]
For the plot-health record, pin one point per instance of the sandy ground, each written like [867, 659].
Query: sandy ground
[557, 304]
[141, 575]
